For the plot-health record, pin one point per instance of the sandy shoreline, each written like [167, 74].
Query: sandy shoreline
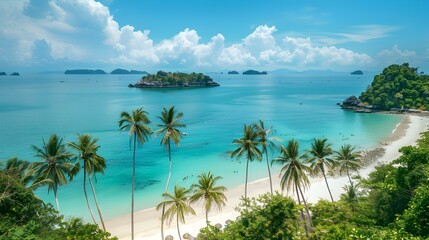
[148, 221]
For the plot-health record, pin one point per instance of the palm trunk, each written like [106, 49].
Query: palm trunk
[166, 188]
[348, 175]
[56, 200]
[132, 188]
[247, 174]
[96, 204]
[86, 194]
[302, 212]
[178, 230]
[207, 217]
[327, 185]
[306, 208]
[269, 172]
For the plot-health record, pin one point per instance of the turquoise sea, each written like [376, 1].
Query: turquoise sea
[299, 106]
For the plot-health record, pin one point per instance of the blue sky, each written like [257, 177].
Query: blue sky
[203, 35]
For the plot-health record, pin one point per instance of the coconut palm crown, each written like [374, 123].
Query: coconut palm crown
[206, 190]
[247, 146]
[320, 163]
[347, 159]
[177, 206]
[55, 165]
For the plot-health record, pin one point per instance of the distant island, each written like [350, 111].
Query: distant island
[233, 72]
[174, 80]
[3, 74]
[15, 74]
[254, 72]
[84, 71]
[124, 71]
[399, 88]
[357, 72]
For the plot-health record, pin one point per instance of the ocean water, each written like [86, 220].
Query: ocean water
[299, 106]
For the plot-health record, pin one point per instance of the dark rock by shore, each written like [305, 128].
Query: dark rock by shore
[84, 71]
[254, 72]
[357, 72]
[233, 72]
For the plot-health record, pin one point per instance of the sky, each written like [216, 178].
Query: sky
[212, 35]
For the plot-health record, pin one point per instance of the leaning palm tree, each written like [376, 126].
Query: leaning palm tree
[266, 143]
[137, 124]
[293, 173]
[86, 148]
[177, 206]
[207, 191]
[20, 169]
[320, 150]
[247, 145]
[169, 128]
[55, 164]
[347, 159]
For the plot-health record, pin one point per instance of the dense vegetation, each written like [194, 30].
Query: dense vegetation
[398, 86]
[162, 78]
[392, 203]
[25, 216]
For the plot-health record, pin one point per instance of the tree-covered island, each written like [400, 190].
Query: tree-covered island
[397, 88]
[174, 80]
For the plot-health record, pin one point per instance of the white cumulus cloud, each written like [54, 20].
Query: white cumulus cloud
[84, 31]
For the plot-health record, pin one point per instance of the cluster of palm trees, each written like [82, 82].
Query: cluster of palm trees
[137, 123]
[296, 165]
[179, 203]
[58, 166]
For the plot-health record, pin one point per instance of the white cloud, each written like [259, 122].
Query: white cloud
[396, 55]
[85, 31]
[360, 34]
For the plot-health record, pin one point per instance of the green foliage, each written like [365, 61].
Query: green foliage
[24, 216]
[266, 217]
[178, 79]
[398, 86]
[416, 217]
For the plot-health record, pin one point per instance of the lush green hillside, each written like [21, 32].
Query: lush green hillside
[398, 86]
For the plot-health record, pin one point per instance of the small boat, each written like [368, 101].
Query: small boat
[185, 133]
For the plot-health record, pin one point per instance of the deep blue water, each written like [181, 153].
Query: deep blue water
[299, 106]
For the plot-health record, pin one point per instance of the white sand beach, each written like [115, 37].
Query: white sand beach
[148, 221]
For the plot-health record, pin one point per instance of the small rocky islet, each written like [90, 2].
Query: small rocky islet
[174, 80]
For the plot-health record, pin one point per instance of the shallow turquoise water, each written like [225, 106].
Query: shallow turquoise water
[300, 106]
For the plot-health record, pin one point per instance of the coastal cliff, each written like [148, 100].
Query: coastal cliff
[174, 80]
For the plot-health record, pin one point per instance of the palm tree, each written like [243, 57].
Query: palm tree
[207, 191]
[169, 127]
[177, 206]
[247, 145]
[293, 173]
[266, 142]
[137, 124]
[55, 165]
[320, 150]
[347, 159]
[21, 169]
[87, 148]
